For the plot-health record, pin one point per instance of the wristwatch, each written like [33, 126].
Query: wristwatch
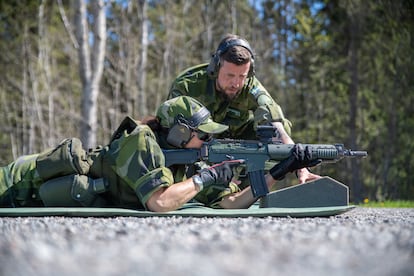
[198, 182]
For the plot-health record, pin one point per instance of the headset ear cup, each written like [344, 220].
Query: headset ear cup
[251, 71]
[179, 135]
[213, 66]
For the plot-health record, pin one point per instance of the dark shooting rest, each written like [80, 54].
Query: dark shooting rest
[322, 192]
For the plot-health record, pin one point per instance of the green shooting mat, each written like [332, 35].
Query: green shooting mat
[187, 211]
[320, 198]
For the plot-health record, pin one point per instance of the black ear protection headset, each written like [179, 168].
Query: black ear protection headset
[214, 65]
[180, 133]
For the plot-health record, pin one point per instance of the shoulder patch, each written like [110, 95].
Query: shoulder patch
[255, 91]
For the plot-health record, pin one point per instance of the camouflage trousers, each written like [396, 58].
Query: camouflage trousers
[20, 182]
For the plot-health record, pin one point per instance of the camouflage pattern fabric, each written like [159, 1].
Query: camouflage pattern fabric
[187, 107]
[254, 105]
[135, 167]
[20, 182]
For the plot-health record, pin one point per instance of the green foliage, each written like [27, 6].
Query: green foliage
[382, 101]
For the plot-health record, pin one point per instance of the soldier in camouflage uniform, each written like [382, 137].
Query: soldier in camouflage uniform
[227, 86]
[130, 172]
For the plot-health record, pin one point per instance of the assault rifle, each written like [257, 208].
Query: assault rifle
[255, 154]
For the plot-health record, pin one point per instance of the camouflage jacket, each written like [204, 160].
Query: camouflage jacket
[253, 106]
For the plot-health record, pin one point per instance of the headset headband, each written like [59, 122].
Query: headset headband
[234, 42]
[195, 120]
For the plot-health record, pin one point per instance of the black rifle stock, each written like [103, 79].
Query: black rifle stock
[254, 154]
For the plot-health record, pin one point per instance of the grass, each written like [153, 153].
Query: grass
[388, 204]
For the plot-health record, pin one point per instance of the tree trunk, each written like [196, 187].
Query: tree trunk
[354, 36]
[141, 105]
[90, 65]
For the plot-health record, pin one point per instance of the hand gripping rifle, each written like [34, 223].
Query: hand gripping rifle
[255, 154]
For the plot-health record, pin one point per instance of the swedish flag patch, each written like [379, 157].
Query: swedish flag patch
[255, 91]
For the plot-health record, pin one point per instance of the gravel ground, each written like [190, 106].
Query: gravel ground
[364, 241]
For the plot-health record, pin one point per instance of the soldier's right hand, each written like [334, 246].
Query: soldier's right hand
[219, 174]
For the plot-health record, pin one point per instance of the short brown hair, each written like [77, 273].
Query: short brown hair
[235, 54]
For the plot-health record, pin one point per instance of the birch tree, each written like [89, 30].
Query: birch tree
[91, 57]
[141, 106]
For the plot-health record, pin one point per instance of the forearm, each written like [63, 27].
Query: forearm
[303, 174]
[244, 198]
[239, 200]
[173, 197]
[283, 135]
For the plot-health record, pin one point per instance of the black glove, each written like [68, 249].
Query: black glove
[300, 158]
[220, 173]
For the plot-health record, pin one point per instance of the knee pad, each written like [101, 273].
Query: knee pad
[73, 191]
[67, 158]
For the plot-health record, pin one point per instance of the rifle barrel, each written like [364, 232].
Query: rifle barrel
[358, 153]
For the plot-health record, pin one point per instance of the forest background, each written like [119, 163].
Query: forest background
[342, 72]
